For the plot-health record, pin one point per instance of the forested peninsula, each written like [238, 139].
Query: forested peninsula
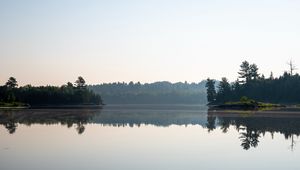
[254, 89]
[68, 95]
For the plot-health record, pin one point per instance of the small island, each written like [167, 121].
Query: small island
[247, 104]
[70, 95]
[254, 91]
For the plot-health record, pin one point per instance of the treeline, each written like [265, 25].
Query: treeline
[68, 94]
[152, 93]
[282, 89]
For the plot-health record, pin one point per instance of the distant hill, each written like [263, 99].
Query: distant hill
[152, 93]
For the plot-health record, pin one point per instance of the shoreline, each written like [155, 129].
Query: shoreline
[53, 107]
[275, 113]
[67, 107]
[248, 106]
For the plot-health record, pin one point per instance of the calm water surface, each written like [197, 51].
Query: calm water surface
[154, 137]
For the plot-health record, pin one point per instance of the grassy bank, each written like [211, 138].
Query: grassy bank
[13, 105]
[246, 103]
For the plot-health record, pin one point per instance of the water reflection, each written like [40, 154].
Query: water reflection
[251, 127]
[116, 117]
[11, 119]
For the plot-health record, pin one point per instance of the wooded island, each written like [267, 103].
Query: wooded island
[69, 95]
[251, 87]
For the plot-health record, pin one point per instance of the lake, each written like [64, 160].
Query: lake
[149, 137]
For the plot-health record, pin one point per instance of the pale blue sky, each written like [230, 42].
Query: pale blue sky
[54, 41]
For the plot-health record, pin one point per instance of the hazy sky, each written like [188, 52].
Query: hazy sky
[54, 41]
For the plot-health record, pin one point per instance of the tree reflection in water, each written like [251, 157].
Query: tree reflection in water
[211, 123]
[251, 127]
[11, 127]
[80, 128]
[11, 119]
[249, 139]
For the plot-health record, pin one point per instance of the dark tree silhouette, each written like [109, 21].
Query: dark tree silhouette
[253, 72]
[244, 72]
[211, 91]
[224, 90]
[248, 72]
[69, 84]
[271, 76]
[80, 82]
[12, 82]
[292, 67]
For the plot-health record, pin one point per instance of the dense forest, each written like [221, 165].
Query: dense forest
[283, 89]
[69, 94]
[152, 93]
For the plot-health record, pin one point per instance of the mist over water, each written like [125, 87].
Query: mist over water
[147, 137]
